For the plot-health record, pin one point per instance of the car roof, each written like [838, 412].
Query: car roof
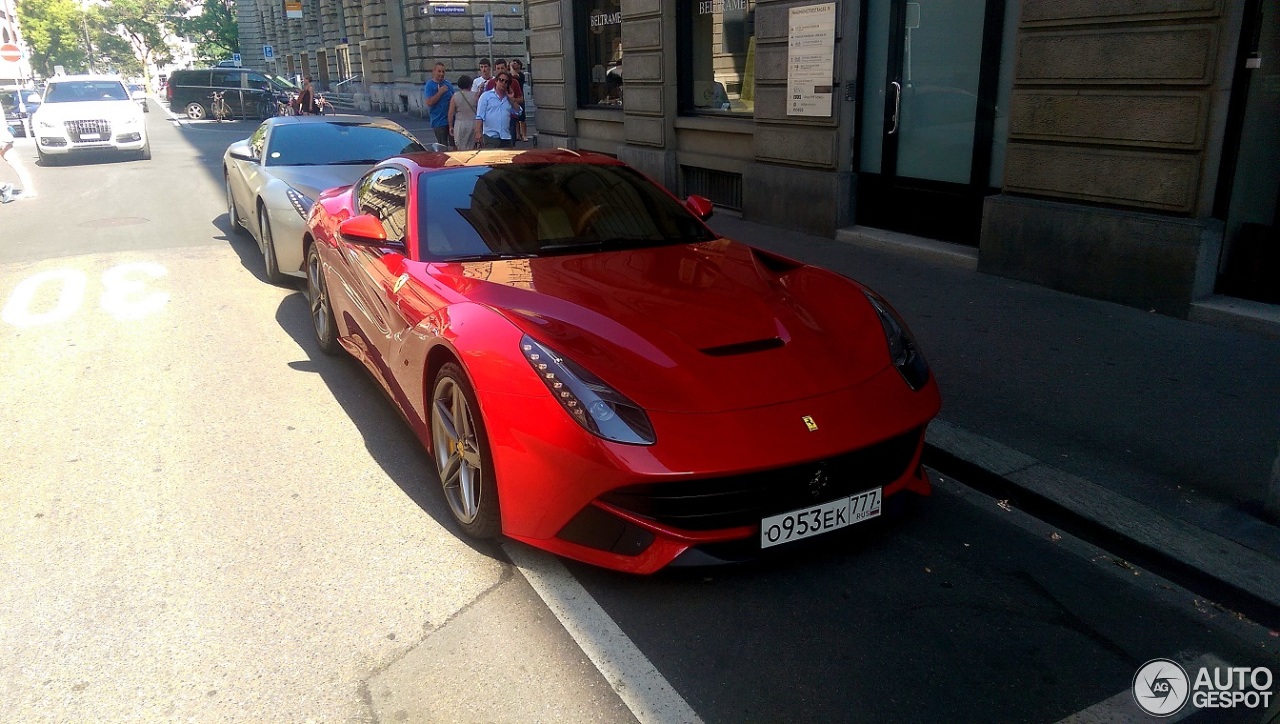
[435, 160]
[339, 118]
[82, 77]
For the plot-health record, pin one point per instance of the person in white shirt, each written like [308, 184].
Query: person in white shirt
[6, 144]
[494, 114]
[482, 81]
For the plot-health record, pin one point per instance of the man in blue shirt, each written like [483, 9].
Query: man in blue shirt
[438, 91]
[493, 115]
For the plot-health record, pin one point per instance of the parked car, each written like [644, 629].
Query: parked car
[273, 177]
[248, 93]
[18, 106]
[597, 373]
[88, 113]
[138, 92]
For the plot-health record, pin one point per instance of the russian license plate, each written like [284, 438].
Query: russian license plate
[808, 522]
[90, 136]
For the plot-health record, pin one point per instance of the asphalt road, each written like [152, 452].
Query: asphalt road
[202, 517]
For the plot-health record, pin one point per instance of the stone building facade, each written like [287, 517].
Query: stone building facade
[1126, 150]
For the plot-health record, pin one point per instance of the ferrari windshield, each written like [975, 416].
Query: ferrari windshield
[524, 210]
[334, 143]
[86, 90]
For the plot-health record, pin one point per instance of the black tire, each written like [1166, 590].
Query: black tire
[322, 321]
[46, 159]
[269, 247]
[463, 453]
[233, 213]
[145, 153]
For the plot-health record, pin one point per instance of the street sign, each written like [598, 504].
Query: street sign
[488, 25]
[235, 58]
[10, 52]
[268, 52]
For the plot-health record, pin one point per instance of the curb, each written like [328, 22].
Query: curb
[1170, 546]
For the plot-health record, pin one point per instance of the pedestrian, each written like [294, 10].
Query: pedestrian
[514, 90]
[522, 82]
[6, 144]
[481, 83]
[462, 115]
[438, 92]
[307, 99]
[494, 114]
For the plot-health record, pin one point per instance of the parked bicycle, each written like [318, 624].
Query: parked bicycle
[219, 108]
[326, 108]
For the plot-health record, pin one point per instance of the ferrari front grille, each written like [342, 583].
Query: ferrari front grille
[739, 500]
[77, 129]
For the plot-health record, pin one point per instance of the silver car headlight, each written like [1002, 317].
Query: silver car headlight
[599, 408]
[130, 121]
[301, 202]
[47, 125]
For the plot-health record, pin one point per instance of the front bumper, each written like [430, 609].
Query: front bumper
[91, 136]
[710, 478]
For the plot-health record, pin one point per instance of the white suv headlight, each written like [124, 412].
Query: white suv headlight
[44, 123]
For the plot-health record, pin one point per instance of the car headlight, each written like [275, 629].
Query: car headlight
[599, 408]
[130, 121]
[903, 351]
[48, 125]
[301, 202]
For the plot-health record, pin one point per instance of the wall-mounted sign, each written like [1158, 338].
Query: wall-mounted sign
[449, 9]
[811, 55]
[293, 9]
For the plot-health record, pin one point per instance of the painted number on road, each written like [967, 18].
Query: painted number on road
[125, 294]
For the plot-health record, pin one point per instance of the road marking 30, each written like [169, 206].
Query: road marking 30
[125, 295]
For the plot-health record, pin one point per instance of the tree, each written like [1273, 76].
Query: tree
[55, 32]
[214, 30]
[144, 25]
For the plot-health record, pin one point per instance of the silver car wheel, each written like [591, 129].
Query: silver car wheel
[319, 301]
[457, 452]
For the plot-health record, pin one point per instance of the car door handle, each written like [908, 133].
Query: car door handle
[897, 106]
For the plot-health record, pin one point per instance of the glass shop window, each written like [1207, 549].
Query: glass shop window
[718, 56]
[600, 52]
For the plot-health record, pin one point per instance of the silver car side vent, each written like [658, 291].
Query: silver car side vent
[758, 345]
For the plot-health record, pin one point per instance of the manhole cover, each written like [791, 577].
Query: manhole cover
[119, 221]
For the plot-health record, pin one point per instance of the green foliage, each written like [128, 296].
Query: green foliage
[144, 25]
[55, 32]
[214, 31]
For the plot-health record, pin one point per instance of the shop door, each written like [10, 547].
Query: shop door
[931, 93]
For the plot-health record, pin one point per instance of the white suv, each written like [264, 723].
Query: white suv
[85, 113]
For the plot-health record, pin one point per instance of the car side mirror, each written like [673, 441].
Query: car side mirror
[700, 206]
[363, 229]
[243, 154]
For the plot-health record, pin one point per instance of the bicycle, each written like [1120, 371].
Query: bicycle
[322, 103]
[219, 108]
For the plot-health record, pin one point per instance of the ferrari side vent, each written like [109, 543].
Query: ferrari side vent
[775, 263]
[759, 345]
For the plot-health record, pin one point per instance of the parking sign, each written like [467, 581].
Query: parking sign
[268, 52]
[488, 25]
[235, 58]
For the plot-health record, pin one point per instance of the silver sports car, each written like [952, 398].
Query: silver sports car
[274, 176]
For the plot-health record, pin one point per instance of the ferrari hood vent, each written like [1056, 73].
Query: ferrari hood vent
[759, 345]
[774, 263]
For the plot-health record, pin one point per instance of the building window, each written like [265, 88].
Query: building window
[718, 56]
[600, 53]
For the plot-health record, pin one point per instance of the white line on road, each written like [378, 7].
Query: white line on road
[640, 685]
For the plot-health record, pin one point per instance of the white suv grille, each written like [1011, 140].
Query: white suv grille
[77, 129]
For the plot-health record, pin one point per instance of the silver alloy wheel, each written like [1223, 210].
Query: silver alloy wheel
[195, 111]
[232, 213]
[319, 301]
[457, 452]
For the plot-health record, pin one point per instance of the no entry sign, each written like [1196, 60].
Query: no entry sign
[10, 52]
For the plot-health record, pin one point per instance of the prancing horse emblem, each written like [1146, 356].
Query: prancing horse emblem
[809, 423]
[400, 282]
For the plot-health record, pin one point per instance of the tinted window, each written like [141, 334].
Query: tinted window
[190, 77]
[86, 90]
[226, 79]
[542, 209]
[323, 144]
[384, 194]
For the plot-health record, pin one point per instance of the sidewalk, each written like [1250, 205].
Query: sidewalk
[1160, 431]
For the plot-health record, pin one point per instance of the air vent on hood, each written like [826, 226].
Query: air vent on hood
[758, 345]
[774, 263]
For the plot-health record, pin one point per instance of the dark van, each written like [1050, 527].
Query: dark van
[248, 93]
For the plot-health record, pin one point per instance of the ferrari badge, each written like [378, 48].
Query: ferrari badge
[399, 283]
[809, 423]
